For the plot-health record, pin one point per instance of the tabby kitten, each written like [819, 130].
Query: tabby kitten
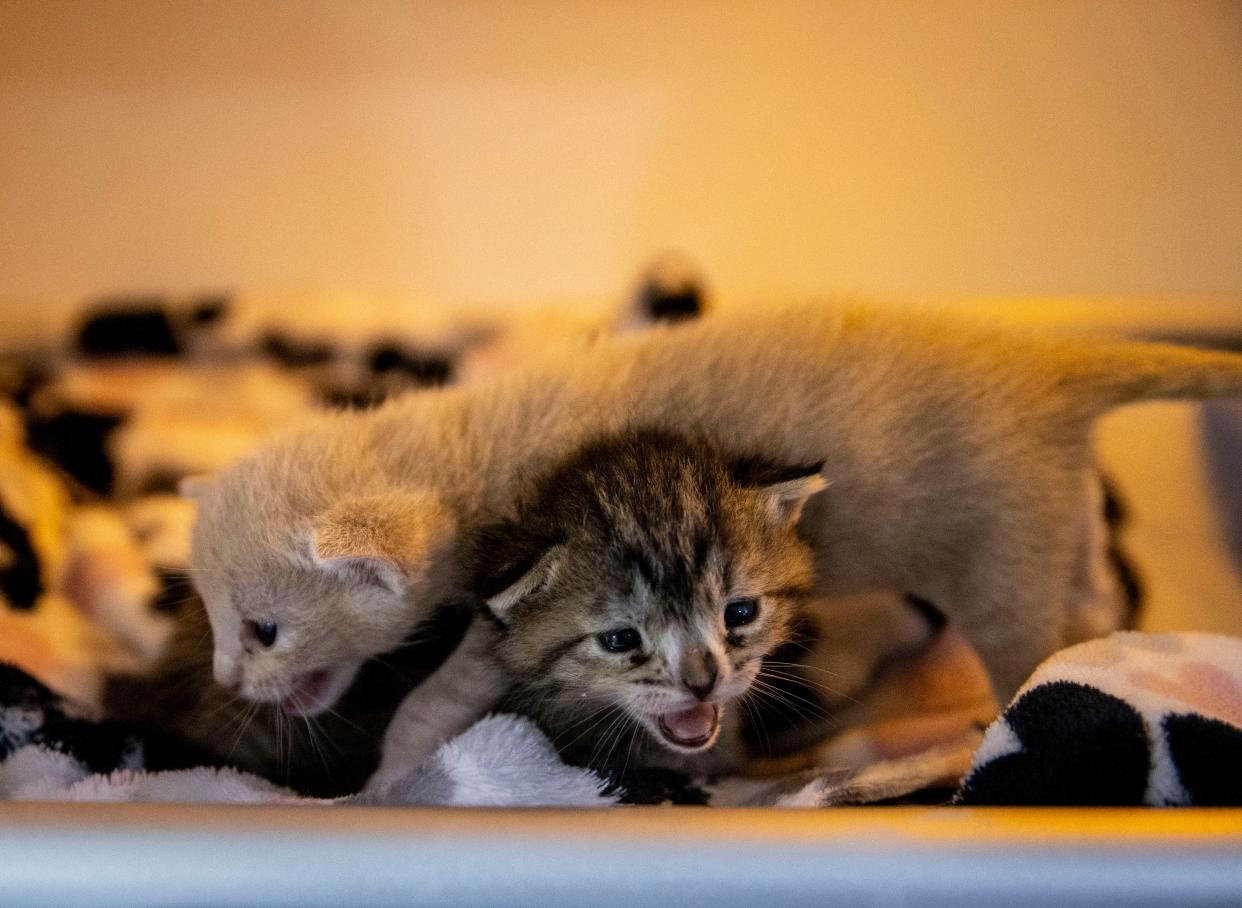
[638, 590]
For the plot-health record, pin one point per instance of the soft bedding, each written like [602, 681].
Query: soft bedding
[1128, 720]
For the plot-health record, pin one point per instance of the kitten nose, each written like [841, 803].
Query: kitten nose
[227, 671]
[699, 672]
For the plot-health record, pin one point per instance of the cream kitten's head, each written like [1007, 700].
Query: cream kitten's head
[644, 583]
[308, 572]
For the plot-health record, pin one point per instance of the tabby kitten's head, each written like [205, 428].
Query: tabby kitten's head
[644, 582]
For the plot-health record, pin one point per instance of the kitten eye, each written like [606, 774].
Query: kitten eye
[740, 612]
[263, 631]
[620, 641]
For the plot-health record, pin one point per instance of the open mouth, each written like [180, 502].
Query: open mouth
[315, 691]
[693, 728]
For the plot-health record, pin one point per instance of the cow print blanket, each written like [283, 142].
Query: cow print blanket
[1128, 720]
[1131, 719]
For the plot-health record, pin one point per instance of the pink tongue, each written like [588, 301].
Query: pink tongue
[692, 724]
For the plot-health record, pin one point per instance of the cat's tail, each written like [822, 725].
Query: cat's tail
[1097, 376]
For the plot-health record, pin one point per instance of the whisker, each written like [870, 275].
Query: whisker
[803, 665]
[628, 750]
[599, 715]
[248, 716]
[313, 739]
[785, 699]
[605, 737]
[756, 720]
[617, 738]
[805, 682]
[179, 602]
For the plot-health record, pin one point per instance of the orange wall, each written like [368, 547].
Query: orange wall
[521, 149]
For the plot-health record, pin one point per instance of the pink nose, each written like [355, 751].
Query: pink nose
[226, 670]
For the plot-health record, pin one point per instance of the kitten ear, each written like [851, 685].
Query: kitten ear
[509, 564]
[195, 487]
[785, 489]
[536, 577]
[384, 538]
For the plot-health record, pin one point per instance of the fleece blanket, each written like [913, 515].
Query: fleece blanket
[55, 750]
[1131, 719]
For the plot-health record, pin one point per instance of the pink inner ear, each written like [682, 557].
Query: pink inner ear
[788, 498]
[383, 573]
[385, 538]
[373, 571]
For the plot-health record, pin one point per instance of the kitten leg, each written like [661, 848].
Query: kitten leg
[458, 693]
[1014, 614]
[1035, 586]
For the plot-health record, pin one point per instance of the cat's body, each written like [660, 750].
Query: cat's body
[955, 454]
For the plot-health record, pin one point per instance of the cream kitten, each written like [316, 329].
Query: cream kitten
[955, 453]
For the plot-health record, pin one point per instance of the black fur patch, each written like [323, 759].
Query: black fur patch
[175, 591]
[1132, 589]
[664, 303]
[933, 796]
[128, 327]
[101, 747]
[1081, 747]
[1116, 515]
[20, 378]
[21, 579]
[935, 618]
[77, 442]
[293, 354]
[653, 786]
[386, 359]
[341, 398]
[422, 369]
[208, 310]
[1208, 757]
[758, 472]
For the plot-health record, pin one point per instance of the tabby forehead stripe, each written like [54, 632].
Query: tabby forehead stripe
[789, 592]
[558, 652]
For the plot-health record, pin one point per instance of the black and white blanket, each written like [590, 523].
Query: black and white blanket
[1128, 720]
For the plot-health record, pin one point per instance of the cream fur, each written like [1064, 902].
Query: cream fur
[954, 453]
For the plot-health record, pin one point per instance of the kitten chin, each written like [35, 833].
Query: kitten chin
[637, 590]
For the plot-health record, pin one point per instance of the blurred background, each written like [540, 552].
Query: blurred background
[527, 152]
[514, 151]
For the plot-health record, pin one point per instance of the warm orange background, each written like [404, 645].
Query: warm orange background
[520, 149]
